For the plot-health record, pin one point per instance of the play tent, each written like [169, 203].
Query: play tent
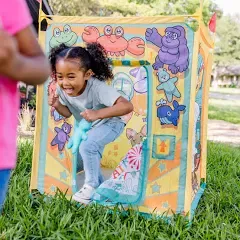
[163, 66]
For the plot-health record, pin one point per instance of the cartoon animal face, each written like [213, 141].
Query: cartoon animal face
[134, 137]
[167, 115]
[171, 37]
[67, 36]
[163, 75]
[66, 128]
[114, 36]
[114, 42]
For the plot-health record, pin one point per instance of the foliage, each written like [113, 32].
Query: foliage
[217, 216]
[22, 89]
[25, 118]
[32, 102]
[75, 7]
[176, 7]
[131, 7]
[228, 41]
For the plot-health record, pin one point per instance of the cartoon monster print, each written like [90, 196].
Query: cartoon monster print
[135, 137]
[114, 42]
[167, 84]
[62, 136]
[141, 83]
[56, 116]
[173, 51]
[67, 36]
[167, 115]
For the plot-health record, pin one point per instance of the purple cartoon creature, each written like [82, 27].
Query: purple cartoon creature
[173, 51]
[62, 136]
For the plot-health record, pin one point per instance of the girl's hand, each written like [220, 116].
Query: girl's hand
[90, 115]
[53, 100]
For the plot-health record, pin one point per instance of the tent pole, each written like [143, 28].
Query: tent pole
[47, 7]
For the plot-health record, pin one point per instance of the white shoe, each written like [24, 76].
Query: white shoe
[84, 195]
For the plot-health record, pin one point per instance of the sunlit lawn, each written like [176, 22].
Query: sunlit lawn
[217, 217]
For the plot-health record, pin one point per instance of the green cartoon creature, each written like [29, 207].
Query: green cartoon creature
[167, 84]
[67, 36]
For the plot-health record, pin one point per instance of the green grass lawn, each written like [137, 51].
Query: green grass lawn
[224, 110]
[226, 90]
[217, 217]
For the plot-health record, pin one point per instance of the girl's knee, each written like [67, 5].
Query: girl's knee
[88, 146]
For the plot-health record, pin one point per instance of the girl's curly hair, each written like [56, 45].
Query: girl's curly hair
[92, 57]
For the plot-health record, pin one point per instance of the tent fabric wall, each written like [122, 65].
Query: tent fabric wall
[166, 133]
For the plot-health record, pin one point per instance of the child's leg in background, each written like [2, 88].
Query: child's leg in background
[4, 178]
[91, 150]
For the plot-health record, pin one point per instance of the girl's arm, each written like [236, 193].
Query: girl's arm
[53, 101]
[63, 110]
[21, 57]
[121, 107]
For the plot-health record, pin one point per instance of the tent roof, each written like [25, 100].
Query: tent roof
[33, 6]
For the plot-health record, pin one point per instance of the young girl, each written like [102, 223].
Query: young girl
[21, 59]
[82, 92]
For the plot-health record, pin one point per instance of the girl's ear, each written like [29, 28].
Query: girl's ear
[88, 74]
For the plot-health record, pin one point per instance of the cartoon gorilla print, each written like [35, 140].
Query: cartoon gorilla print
[173, 48]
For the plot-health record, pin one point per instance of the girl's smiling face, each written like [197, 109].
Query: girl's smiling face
[71, 77]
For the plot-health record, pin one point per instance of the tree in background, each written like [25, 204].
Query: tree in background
[183, 7]
[227, 49]
[131, 7]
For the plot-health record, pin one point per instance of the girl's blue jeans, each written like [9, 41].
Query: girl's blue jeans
[91, 150]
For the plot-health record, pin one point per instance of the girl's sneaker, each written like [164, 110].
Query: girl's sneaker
[84, 195]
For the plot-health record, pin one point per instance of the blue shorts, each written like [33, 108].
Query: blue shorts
[4, 179]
